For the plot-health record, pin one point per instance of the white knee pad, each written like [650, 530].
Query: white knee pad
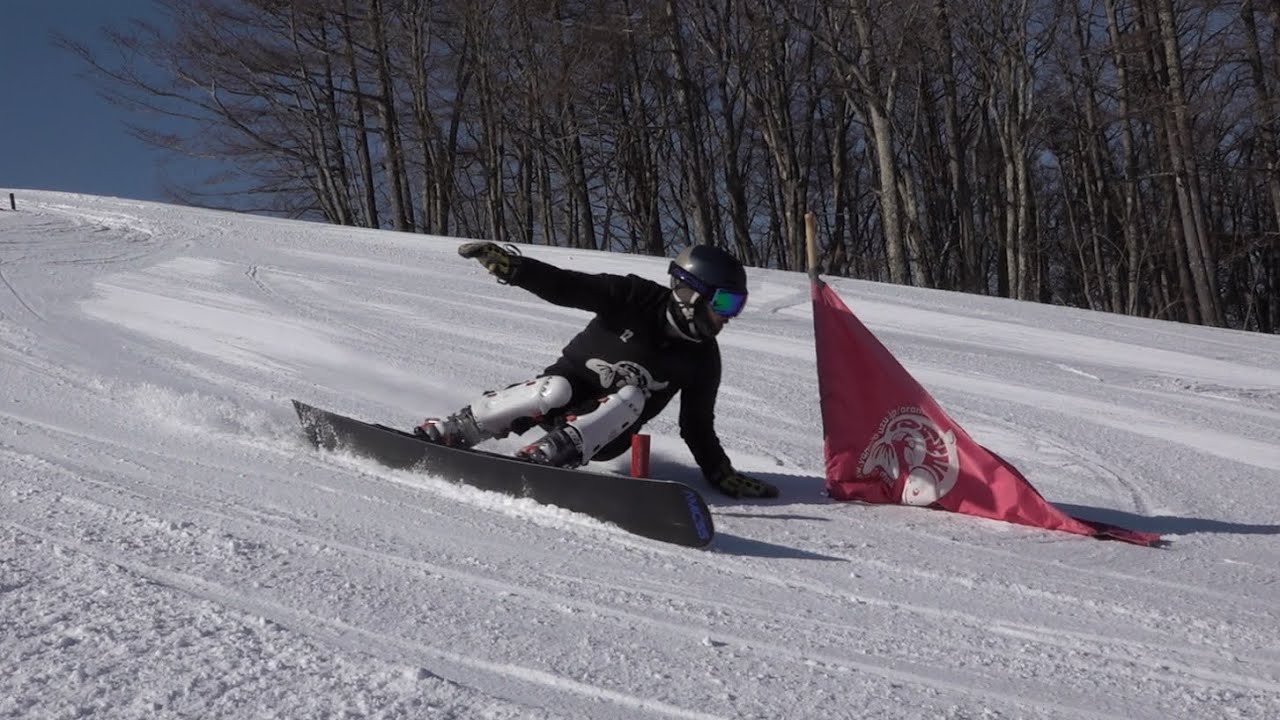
[498, 409]
[615, 414]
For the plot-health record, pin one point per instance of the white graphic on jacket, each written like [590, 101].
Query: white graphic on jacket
[625, 373]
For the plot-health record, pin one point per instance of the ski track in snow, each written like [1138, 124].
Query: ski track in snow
[173, 548]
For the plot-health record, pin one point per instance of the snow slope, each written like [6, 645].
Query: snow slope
[170, 547]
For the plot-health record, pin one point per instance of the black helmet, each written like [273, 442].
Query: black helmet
[714, 268]
[705, 280]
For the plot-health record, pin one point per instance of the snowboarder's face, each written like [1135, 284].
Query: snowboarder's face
[717, 322]
[698, 314]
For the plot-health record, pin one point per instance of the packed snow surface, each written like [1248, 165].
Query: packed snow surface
[171, 547]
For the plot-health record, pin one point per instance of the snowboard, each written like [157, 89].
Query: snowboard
[658, 509]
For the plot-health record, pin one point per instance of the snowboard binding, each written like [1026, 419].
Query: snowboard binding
[561, 447]
[459, 430]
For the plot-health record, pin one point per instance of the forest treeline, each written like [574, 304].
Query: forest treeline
[1119, 155]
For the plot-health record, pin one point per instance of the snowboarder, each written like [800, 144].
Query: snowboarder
[646, 343]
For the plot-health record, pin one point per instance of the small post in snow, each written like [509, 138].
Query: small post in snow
[639, 456]
[811, 244]
[13, 204]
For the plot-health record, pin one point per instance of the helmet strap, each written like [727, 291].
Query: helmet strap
[676, 325]
[694, 322]
[682, 312]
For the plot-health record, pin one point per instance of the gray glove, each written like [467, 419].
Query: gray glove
[735, 484]
[501, 262]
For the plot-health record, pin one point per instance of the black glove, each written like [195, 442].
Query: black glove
[502, 262]
[735, 484]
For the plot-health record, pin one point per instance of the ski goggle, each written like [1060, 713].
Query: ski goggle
[725, 303]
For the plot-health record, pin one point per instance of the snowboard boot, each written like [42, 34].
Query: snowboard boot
[583, 436]
[561, 447]
[458, 430]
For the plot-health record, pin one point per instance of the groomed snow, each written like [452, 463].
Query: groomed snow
[171, 547]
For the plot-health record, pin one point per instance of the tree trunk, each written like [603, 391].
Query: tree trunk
[401, 212]
[960, 195]
[363, 156]
[877, 96]
[1264, 261]
[1185, 174]
[785, 134]
[690, 119]
[1131, 205]
[321, 120]
[579, 189]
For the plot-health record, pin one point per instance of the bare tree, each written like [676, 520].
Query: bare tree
[855, 44]
[1116, 154]
[439, 71]
[780, 98]
[959, 209]
[1263, 277]
[360, 127]
[388, 111]
[691, 114]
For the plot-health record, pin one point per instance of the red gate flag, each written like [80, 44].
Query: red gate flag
[887, 441]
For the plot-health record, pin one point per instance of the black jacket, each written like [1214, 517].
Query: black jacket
[628, 342]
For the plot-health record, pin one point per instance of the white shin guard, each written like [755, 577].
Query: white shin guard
[498, 409]
[615, 414]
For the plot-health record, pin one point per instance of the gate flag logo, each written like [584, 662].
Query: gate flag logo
[887, 441]
[911, 448]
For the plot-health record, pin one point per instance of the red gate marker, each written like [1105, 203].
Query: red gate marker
[639, 456]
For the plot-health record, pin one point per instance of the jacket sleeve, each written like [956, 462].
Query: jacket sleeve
[698, 415]
[570, 288]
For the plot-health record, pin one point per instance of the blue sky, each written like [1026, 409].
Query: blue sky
[58, 134]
